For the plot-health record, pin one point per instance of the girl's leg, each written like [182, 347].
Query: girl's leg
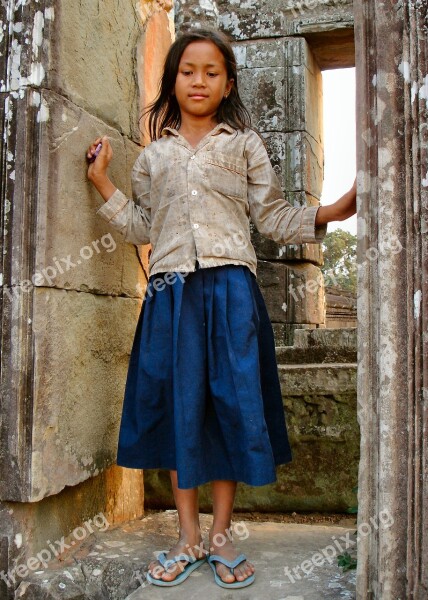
[223, 498]
[190, 539]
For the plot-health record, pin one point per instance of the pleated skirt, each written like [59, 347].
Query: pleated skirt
[202, 393]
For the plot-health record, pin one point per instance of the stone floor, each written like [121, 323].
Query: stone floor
[111, 565]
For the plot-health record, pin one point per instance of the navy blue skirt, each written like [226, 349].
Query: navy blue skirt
[202, 393]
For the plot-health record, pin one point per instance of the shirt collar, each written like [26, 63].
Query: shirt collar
[217, 129]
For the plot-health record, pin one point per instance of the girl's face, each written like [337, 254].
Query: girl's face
[201, 81]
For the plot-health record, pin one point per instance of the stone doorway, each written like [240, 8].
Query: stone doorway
[49, 481]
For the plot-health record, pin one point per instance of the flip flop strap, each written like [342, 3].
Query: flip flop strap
[167, 562]
[229, 563]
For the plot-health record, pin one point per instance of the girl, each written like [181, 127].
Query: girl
[202, 395]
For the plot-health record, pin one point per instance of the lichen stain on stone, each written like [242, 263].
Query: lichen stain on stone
[39, 23]
[231, 23]
[377, 114]
[386, 172]
[385, 80]
[248, 4]
[37, 74]
[35, 99]
[417, 303]
[404, 68]
[361, 228]
[15, 79]
[50, 13]
[423, 92]
[414, 91]
[43, 114]
[368, 137]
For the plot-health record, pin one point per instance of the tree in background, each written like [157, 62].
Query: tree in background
[340, 260]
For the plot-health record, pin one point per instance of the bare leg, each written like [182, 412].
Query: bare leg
[223, 498]
[190, 537]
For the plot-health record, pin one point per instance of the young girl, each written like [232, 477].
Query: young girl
[202, 396]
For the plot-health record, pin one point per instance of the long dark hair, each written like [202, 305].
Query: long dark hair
[164, 111]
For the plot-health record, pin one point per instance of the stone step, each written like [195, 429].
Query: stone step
[111, 565]
[320, 346]
[319, 354]
[329, 379]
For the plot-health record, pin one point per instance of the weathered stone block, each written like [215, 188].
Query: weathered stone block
[264, 53]
[303, 164]
[303, 90]
[84, 30]
[252, 20]
[83, 344]
[302, 80]
[262, 91]
[323, 379]
[267, 19]
[293, 293]
[193, 13]
[76, 249]
[320, 338]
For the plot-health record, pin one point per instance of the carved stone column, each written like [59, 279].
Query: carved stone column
[392, 87]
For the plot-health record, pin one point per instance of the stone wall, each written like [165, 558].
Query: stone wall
[341, 308]
[280, 50]
[392, 116]
[71, 290]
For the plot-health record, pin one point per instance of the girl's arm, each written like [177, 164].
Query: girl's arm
[130, 217]
[277, 219]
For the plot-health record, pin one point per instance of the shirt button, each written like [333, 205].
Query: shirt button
[193, 157]
[195, 225]
[194, 192]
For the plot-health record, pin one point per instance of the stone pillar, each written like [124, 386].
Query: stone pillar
[70, 288]
[392, 67]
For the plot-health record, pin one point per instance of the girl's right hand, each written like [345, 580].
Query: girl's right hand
[98, 168]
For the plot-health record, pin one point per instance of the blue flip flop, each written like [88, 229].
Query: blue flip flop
[194, 563]
[231, 564]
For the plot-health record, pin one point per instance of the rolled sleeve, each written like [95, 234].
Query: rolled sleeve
[312, 234]
[273, 216]
[114, 205]
[131, 218]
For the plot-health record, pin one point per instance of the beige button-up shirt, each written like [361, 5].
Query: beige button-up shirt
[195, 203]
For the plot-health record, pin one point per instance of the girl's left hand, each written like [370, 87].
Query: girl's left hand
[344, 208]
[347, 205]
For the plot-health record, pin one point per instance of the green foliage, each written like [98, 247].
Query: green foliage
[346, 561]
[340, 260]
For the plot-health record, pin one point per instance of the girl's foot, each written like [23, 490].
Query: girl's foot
[221, 544]
[191, 545]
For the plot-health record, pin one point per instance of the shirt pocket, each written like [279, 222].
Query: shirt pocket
[226, 174]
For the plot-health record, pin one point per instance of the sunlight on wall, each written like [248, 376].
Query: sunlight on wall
[339, 139]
